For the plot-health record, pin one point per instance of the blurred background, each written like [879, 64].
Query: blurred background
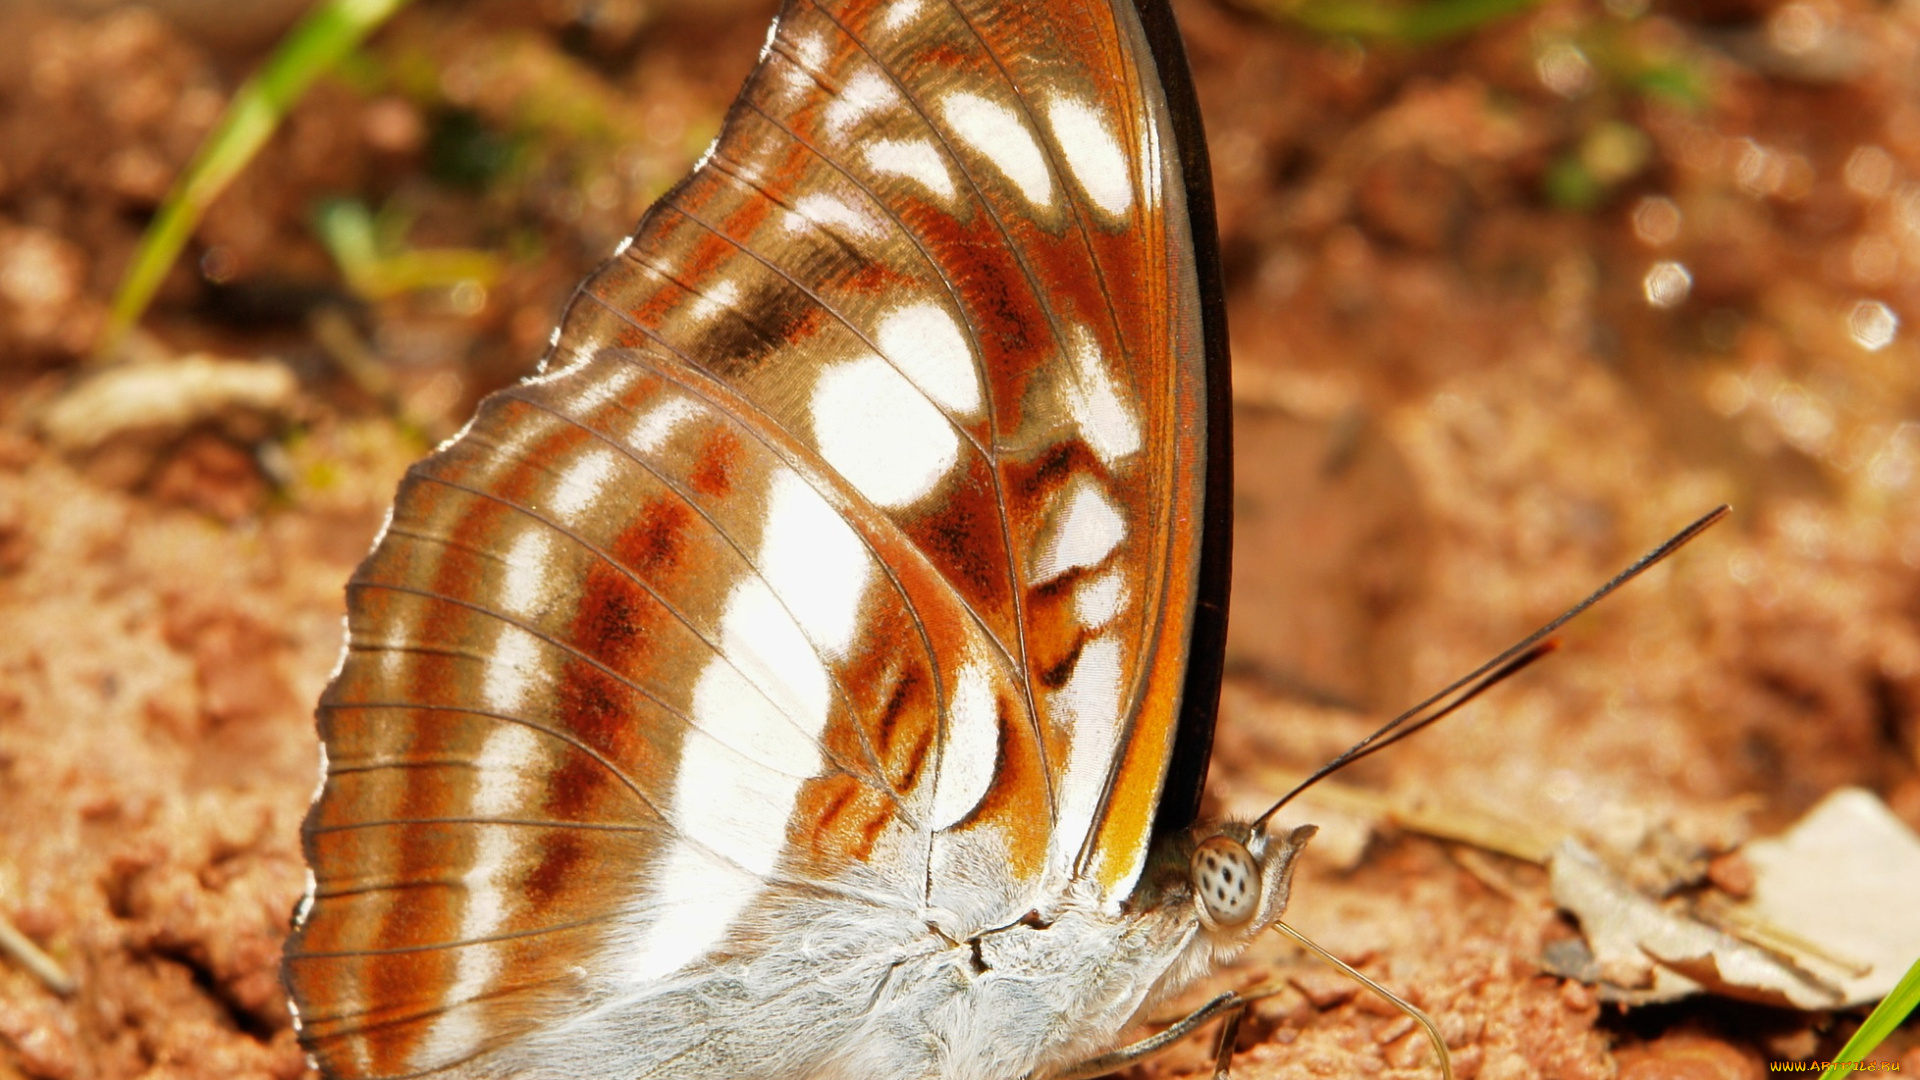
[1516, 289]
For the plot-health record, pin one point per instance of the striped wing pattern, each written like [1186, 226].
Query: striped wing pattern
[846, 543]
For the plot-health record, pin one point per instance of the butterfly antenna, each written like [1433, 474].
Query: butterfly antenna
[1487, 675]
[1406, 723]
[1405, 1006]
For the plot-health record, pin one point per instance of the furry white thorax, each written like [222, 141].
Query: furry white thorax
[821, 988]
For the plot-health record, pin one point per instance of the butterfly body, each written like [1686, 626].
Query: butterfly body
[811, 672]
[828, 993]
[926, 1007]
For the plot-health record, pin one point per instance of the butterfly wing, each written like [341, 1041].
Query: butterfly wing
[851, 541]
[1192, 742]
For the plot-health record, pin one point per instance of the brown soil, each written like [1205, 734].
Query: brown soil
[1459, 411]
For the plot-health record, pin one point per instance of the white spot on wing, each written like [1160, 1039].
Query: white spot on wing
[912, 159]
[814, 563]
[1151, 168]
[694, 898]
[505, 770]
[1105, 422]
[655, 426]
[766, 47]
[1098, 600]
[401, 626]
[305, 907]
[901, 14]
[742, 715]
[881, 432]
[362, 1059]
[757, 711]
[865, 93]
[705, 156]
[456, 1033]
[1093, 155]
[1089, 706]
[810, 50]
[513, 670]
[764, 642]
[731, 807]
[1082, 533]
[819, 209]
[527, 570]
[585, 479]
[600, 386]
[969, 746]
[995, 132]
[927, 345]
[718, 298]
[548, 373]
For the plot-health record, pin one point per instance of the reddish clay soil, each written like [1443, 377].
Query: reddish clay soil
[1507, 309]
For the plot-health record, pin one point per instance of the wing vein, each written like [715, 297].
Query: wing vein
[1000, 502]
[686, 497]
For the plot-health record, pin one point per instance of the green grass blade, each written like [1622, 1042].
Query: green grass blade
[1892, 1010]
[328, 33]
[351, 234]
[1413, 23]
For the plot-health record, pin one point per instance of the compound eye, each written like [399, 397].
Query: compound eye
[1227, 880]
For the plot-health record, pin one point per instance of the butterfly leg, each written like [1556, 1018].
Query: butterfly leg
[1114, 1060]
[1234, 1007]
[1229, 1034]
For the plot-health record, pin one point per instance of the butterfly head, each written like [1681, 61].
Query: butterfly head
[1240, 876]
[1235, 876]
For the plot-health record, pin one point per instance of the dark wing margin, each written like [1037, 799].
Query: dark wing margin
[1207, 642]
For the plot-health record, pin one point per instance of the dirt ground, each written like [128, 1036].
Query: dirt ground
[1507, 309]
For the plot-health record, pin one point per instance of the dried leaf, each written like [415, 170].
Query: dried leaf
[166, 398]
[1844, 880]
[1642, 952]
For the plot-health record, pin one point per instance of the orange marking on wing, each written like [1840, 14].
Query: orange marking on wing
[653, 545]
[963, 538]
[561, 856]
[715, 463]
[618, 616]
[613, 618]
[1032, 484]
[409, 916]
[1017, 798]
[842, 739]
[733, 345]
[904, 730]
[837, 821]
[1009, 326]
[403, 983]
[1055, 674]
[599, 711]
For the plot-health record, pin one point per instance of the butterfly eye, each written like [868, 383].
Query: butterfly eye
[1227, 880]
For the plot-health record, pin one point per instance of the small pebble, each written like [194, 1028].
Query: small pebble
[1576, 996]
[1387, 1031]
[1324, 988]
[1687, 1056]
[1732, 874]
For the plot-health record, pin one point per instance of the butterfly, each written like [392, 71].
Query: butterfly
[812, 671]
